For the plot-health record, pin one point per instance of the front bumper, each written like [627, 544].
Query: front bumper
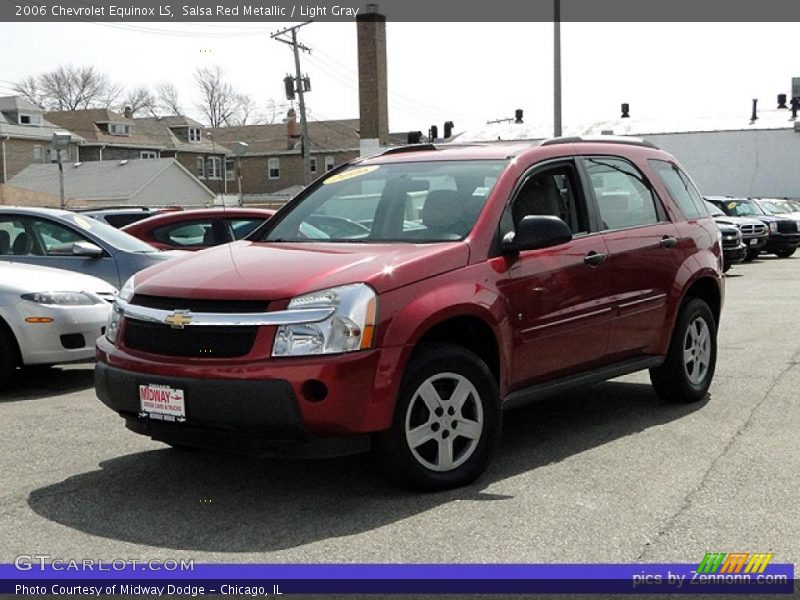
[256, 417]
[69, 337]
[781, 241]
[755, 242]
[734, 255]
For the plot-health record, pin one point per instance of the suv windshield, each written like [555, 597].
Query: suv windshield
[742, 208]
[400, 202]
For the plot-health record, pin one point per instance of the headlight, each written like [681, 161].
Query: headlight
[112, 325]
[62, 298]
[126, 293]
[351, 327]
[773, 227]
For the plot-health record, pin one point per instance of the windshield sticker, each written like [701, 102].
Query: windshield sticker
[350, 174]
[82, 223]
[731, 204]
[480, 191]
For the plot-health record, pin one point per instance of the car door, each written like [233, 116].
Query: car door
[49, 243]
[644, 252]
[558, 297]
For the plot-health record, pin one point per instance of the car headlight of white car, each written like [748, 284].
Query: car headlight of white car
[115, 316]
[62, 298]
[351, 327]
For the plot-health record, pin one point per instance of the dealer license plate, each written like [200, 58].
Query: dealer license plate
[162, 402]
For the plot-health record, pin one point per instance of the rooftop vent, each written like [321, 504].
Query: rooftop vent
[518, 116]
[782, 101]
[754, 116]
[626, 110]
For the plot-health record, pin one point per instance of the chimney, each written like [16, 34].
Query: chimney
[626, 110]
[782, 101]
[127, 112]
[292, 134]
[754, 116]
[372, 79]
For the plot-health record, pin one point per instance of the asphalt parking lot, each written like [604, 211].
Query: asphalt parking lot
[611, 474]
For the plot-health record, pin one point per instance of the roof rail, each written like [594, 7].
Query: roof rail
[600, 139]
[407, 148]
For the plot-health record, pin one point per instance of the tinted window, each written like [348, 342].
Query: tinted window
[624, 198]
[119, 221]
[242, 227]
[680, 188]
[56, 239]
[195, 233]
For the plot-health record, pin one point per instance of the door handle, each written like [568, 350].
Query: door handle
[593, 258]
[668, 241]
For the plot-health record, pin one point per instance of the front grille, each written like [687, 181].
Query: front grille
[199, 305]
[787, 226]
[753, 230]
[192, 342]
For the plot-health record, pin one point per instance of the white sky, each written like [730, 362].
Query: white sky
[464, 72]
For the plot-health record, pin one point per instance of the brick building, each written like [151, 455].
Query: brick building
[108, 135]
[26, 136]
[273, 160]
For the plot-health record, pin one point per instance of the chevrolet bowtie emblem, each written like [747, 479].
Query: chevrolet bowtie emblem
[179, 319]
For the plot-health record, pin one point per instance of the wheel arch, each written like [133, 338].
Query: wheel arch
[5, 329]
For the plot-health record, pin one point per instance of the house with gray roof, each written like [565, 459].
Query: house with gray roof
[26, 136]
[109, 135]
[157, 182]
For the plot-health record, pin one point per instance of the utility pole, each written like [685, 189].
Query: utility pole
[557, 67]
[300, 87]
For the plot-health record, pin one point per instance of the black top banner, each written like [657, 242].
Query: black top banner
[401, 10]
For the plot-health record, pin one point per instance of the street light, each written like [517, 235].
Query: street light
[61, 141]
[239, 149]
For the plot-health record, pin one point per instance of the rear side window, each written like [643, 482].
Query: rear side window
[624, 197]
[680, 188]
[194, 234]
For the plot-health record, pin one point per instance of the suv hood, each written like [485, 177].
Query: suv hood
[738, 221]
[274, 271]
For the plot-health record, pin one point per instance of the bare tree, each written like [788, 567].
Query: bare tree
[220, 103]
[29, 89]
[167, 99]
[141, 99]
[70, 88]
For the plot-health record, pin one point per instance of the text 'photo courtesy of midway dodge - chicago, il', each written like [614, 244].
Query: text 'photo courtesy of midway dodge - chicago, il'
[446, 286]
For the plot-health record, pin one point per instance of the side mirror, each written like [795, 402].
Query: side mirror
[87, 249]
[537, 231]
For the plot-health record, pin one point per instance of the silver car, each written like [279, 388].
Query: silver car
[66, 240]
[49, 316]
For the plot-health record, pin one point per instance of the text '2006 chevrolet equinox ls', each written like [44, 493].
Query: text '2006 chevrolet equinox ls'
[450, 283]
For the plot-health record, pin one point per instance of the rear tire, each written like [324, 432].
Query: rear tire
[726, 267]
[9, 355]
[691, 360]
[751, 256]
[447, 421]
[784, 253]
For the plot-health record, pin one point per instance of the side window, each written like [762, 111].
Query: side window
[194, 234]
[680, 188]
[56, 239]
[555, 192]
[10, 231]
[242, 227]
[624, 197]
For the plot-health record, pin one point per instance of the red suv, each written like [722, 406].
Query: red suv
[480, 278]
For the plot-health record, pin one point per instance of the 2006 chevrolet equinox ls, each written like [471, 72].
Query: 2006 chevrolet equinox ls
[450, 283]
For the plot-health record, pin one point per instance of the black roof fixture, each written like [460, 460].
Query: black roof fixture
[626, 108]
[433, 132]
[414, 137]
[518, 116]
[782, 101]
[795, 106]
[754, 116]
[448, 129]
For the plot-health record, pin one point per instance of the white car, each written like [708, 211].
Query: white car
[49, 316]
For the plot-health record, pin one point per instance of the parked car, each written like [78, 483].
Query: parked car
[66, 240]
[119, 216]
[754, 233]
[784, 233]
[534, 269]
[49, 316]
[733, 248]
[783, 208]
[198, 229]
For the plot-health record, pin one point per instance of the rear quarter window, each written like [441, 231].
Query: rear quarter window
[680, 188]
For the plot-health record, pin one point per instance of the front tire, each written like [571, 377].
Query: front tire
[447, 421]
[784, 253]
[688, 370]
[8, 356]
